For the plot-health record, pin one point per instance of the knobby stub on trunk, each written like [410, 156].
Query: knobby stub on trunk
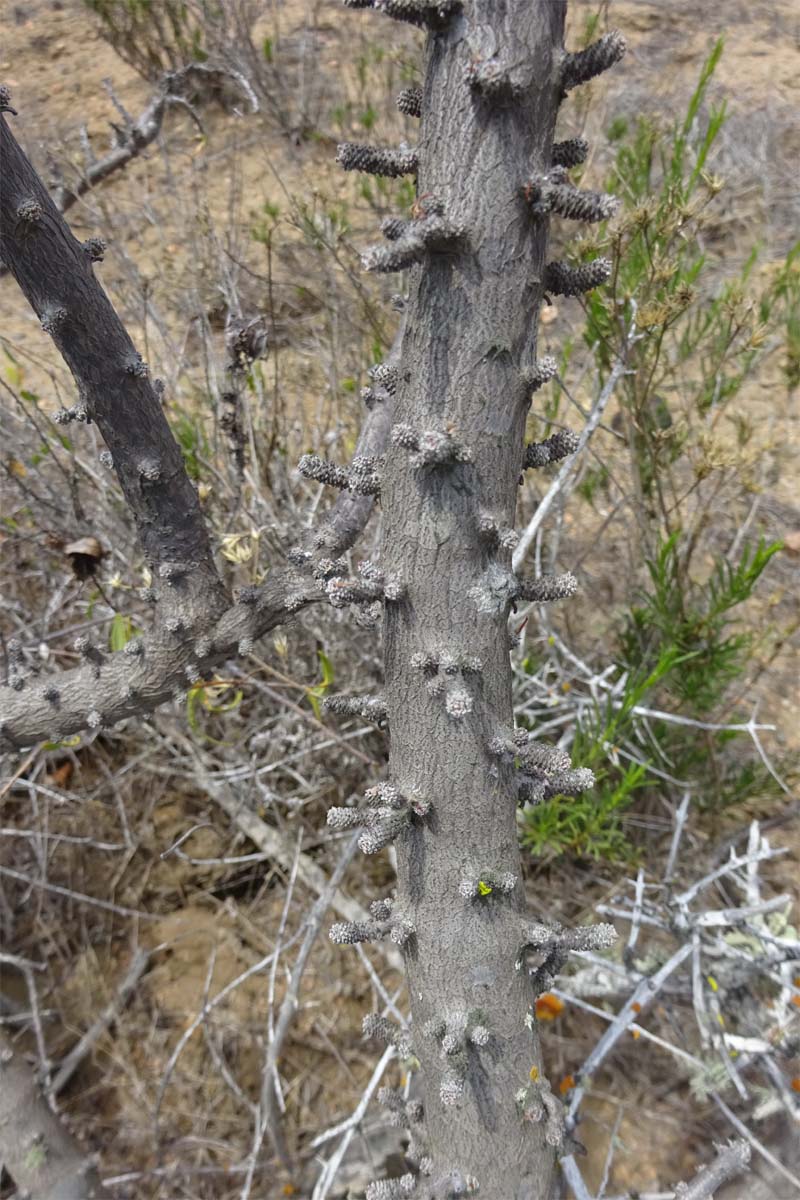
[489, 177]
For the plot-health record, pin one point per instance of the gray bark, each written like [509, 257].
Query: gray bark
[493, 84]
[109, 688]
[36, 1150]
[471, 332]
[731, 1160]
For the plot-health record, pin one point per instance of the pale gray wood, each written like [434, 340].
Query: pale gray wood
[471, 333]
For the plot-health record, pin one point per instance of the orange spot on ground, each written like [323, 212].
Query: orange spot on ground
[60, 776]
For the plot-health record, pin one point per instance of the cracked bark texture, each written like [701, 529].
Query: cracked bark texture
[470, 333]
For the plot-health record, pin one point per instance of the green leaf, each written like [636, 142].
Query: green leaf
[202, 694]
[121, 632]
[67, 743]
[192, 697]
[316, 693]
[327, 668]
[225, 706]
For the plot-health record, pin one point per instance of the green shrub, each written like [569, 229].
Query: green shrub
[154, 36]
[681, 642]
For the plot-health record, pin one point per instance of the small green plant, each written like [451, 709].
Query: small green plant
[191, 438]
[215, 697]
[595, 479]
[678, 653]
[318, 691]
[697, 620]
[590, 825]
[587, 829]
[703, 341]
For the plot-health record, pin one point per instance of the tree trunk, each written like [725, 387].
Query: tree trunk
[470, 334]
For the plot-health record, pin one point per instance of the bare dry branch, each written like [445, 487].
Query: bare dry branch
[36, 1150]
[731, 1161]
